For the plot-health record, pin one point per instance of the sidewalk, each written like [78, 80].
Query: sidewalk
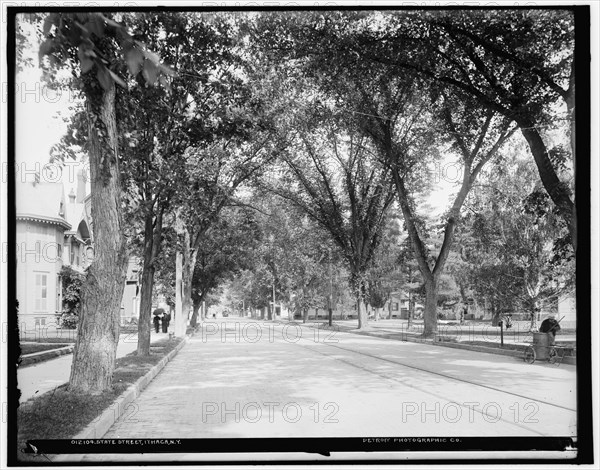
[41, 378]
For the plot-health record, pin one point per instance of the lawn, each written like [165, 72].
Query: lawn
[60, 414]
[53, 338]
[39, 347]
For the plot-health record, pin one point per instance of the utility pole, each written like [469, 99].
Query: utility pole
[330, 292]
[178, 293]
[272, 242]
[274, 311]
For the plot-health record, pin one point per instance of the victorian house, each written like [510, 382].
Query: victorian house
[52, 232]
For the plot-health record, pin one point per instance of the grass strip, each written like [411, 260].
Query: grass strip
[39, 347]
[61, 339]
[61, 414]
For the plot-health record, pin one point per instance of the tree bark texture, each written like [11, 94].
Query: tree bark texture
[363, 320]
[186, 262]
[98, 333]
[197, 306]
[144, 326]
[430, 319]
[152, 240]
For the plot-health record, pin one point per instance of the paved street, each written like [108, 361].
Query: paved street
[297, 382]
[41, 378]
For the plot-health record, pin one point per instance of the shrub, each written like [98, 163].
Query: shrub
[72, 285]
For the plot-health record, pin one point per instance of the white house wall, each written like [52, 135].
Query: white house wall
[30, 262]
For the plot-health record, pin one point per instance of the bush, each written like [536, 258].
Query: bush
[72, 285]
[68, 320]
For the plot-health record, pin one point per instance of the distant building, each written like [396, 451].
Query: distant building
[398, 306]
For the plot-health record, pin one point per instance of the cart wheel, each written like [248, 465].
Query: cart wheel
[529, 355]
[552, 355]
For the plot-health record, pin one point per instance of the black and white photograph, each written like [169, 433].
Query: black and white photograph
[309, 234]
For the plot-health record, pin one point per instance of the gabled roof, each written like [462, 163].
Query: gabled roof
[41, 202]
[75, 214]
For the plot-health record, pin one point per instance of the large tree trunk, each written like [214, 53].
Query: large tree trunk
[185, 264]
[178, 285]
[363, 320]
[189, 261]
[197, 306]
[102, 294]
[144, 331]
[430, 319]
[152, 239]
[304, 315]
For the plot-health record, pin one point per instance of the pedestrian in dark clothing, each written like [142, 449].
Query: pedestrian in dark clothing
[165, 322]
[550, 325]
[463, 314]
[157, 314]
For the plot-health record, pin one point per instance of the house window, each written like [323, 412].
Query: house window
[395, 306]
[37, 321]
[58, 293]
[41, 292]
[89, 254]
[43, 321]
[75, 253]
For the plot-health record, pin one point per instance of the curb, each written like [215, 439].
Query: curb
[448, 344]
[34, 358]
[100, 426]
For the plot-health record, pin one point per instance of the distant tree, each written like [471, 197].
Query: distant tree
[226, 249]
[243, 141]
[331, 179]
[514, 243]
[384, 275]
[407, 121]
